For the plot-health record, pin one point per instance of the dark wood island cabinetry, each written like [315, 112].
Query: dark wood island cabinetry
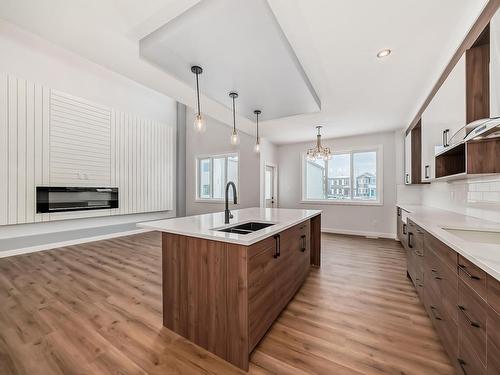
[224, 296]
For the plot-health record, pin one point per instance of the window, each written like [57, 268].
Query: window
[347, 177]
[214, 172]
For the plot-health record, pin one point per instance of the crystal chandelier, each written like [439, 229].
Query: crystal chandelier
[319, 152]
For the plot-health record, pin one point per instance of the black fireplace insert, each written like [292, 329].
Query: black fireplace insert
[64, 199]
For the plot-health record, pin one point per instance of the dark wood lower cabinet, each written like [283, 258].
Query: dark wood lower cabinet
[224, 297]
[462, 301]
[493, 342]
[472, 328]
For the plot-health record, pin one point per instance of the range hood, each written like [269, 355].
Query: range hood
[479, 129]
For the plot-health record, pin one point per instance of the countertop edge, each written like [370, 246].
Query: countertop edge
[249, 242]
[453, 245]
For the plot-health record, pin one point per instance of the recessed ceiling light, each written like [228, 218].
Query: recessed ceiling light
[383, 53]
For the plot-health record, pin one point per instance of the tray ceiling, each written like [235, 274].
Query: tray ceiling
[242, 48]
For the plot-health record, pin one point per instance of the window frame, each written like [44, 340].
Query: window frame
[378, 149]
[197, 161]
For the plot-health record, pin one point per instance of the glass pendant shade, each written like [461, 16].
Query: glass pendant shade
[319, 152]
[199, 123]
[235, 138]
[256, 148]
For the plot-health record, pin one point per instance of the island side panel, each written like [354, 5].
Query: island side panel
[237, 305]
[316, 241]
[205, 297]
[194, 291]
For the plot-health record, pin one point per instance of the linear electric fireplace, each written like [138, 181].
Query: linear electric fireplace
[64, 199]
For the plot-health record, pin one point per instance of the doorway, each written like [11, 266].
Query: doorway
[270, 187]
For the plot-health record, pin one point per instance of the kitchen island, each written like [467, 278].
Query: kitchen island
[223, 287]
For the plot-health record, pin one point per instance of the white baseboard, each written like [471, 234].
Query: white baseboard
[33, 249]
[391, 236]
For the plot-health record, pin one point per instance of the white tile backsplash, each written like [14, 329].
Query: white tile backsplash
[478, 197]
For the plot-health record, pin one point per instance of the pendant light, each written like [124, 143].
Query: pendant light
[235, 138]
[257, 141]
[199, 121]
[319, 152]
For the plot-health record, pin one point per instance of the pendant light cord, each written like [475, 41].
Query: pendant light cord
[198, 94]
[257, 126]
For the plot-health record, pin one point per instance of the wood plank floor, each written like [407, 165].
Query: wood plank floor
[96, 309]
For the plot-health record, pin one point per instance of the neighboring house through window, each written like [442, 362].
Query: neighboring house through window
[350, 176]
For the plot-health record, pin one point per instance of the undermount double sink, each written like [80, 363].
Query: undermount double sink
[474, 235]
[245, 228]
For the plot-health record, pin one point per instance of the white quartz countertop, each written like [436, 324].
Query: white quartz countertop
[435, 221]
[205, 226]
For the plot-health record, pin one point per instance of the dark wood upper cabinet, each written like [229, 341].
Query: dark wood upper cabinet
[477, 70]
[416, 154]
[413, 156]
[476, 63]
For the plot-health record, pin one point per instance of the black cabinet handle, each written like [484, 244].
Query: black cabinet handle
[427, 171]
[404, 229]
[276, 246]
[464, 269]
[279, 245]
[303, 238]
[445, 137]
[462, 364]
[467, 317]
[410, 236]
[407, 178]
[433, 309]
[436, 275]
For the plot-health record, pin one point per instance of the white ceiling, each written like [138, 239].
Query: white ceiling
[335, 41]
[241, 48]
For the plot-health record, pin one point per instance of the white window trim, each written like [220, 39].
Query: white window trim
[353, 202]
[197, 198]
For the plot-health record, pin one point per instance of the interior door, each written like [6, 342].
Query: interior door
[270, 187]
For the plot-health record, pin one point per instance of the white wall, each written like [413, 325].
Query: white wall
[268, 156]
[339, 218]
[216, 141]
[27, 56]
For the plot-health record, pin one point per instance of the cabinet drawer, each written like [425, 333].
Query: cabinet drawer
[493, 342]
[467, 359]
[472, 315]
[261, 246]
[445, 326]
[444, 280]
[262, 309]
[493, 293]
[292, 239]
[415, 237]
[445, 253]
[472, 275]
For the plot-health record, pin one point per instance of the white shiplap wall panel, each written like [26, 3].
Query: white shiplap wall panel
[4, 150]
[30, 208]
[51, 138]
[22, 148]
[144, 152]
[12, 176]
[21, 151]
[80, 142]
